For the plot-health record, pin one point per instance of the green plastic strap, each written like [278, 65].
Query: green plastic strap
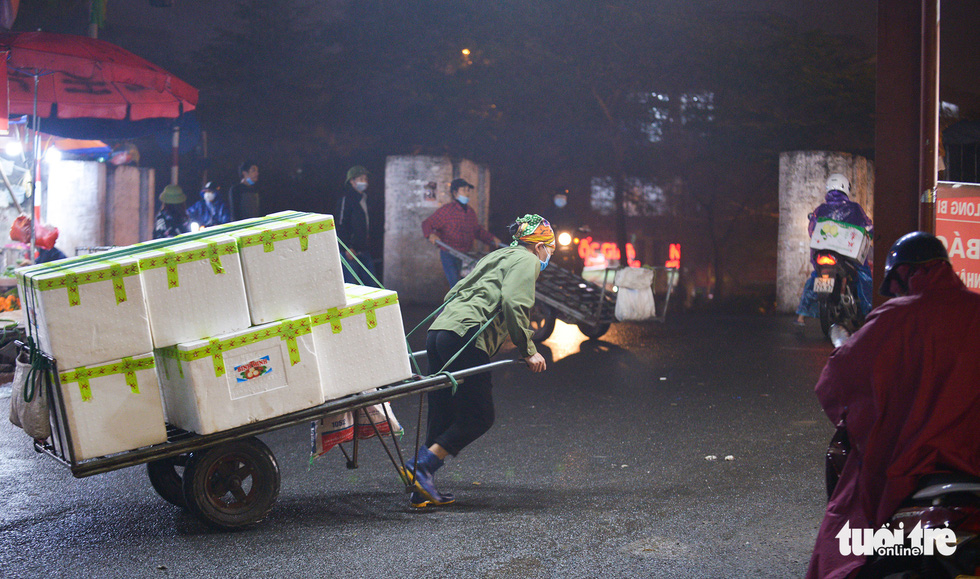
[128, 366]
[214, 350]
[267, 237]
[288, 331]
[334, 316]
[116, 274]
[71, 283]
[171, 259]
[142, 248]
[214, 256]
[445, 366]
[451, 379]
[71, 280]
[350, 268]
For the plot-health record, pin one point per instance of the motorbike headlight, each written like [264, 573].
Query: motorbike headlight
[564, 238]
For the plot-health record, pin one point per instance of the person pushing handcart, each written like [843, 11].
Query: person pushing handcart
[492, 302]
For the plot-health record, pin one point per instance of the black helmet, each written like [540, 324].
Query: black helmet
[913, 248]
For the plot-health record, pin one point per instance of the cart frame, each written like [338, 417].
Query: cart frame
[181, 442]
[229, 455]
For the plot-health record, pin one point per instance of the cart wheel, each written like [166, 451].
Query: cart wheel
[593, 332]
[232, 485]
[542, 321]
[166, 479]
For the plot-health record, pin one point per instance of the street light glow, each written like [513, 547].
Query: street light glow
[466, 52]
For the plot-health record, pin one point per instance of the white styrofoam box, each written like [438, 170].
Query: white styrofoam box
[239, 378]
[113, 407]
[844, 238]
[194, 289]
[362, 345]
[87, 310]
[291, 267]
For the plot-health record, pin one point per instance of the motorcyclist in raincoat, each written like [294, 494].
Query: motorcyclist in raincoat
[906, 385]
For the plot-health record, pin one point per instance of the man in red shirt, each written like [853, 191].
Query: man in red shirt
[455, 224]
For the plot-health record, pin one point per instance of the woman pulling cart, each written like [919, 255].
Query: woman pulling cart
[480, 311]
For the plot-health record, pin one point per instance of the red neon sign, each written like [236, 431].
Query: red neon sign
[598, 254]
[673, 255]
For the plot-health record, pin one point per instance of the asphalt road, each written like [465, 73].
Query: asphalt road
[595, 468]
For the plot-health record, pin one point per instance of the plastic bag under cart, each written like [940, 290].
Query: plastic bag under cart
[228, 479]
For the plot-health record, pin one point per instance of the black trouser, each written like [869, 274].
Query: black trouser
[457, 420]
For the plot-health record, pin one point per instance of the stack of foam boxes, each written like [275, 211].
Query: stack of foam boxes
[241, 323]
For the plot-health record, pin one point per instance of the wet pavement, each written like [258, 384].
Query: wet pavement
[595, 468]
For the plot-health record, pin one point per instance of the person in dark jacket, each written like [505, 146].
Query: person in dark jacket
[906, 385]
[211, 210]
[353, 227]
[243, 197]
[172, 217]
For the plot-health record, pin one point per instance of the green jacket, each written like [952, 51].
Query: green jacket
[501, 286]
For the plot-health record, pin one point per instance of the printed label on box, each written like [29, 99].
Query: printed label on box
[256, 373]
[254, 369]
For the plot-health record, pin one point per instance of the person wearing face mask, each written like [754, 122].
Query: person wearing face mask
[244, 196]
[496, 297]
[171, 220]
[211, 210]
[456, 225]
[560, 215]
[353, 227]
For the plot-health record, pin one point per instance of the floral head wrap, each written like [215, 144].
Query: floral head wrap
[533, 229]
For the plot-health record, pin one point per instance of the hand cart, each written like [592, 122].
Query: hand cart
[230, 479]
[562, 295]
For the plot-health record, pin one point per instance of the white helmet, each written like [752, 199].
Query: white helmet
[838, 182]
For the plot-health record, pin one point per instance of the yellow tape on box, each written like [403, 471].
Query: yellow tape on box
[302, 249]
[287, 331]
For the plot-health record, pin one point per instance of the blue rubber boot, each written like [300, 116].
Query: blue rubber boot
[418, 500]
[424, 470]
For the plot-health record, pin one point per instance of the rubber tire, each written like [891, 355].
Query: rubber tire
[166, 481]
[543, 319]
[233, 485]
[825, 321]
[593, 332]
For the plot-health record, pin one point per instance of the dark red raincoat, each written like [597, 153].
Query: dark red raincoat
[908, 383]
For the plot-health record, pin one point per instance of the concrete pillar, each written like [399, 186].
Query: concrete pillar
[415, 186]
[802, 181]
[93, 204]
[75, 204]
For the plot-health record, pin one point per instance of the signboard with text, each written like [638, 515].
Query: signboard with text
[958, 227]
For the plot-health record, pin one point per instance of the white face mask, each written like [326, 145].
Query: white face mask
[463, 199]
[360, 186]
[209, 196]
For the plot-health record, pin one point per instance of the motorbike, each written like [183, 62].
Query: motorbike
[566, 253]
[836, 289]
[942, 502]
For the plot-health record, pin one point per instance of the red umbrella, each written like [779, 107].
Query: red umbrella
[81, 77]
[72, 77]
